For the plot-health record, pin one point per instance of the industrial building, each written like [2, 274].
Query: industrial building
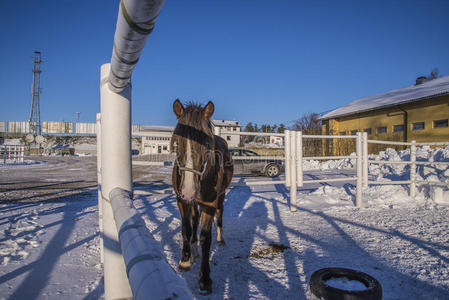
[156, 139]
[224, 128]
[418, 112]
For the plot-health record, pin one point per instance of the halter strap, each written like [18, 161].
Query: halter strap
[192, 170]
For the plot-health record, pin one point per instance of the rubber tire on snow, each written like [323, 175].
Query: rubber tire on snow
[321, 290]
[271, 166]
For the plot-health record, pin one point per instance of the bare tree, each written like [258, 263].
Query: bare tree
[308, 123]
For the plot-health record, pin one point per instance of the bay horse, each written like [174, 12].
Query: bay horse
[201, 173]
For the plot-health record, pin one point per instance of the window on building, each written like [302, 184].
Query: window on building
[228, 138]
[234, 128]
[381, 130]
[399, 128]
[353, 132]
[367, 130]
[418, 126]
[164, 148]
[440, 124]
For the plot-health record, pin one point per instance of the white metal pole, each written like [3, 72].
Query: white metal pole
[365, 159]
[115, 173]
[293, 158]
[287, 157]
[100, 199]
[358, 199]
[413, 169]
[299, 162]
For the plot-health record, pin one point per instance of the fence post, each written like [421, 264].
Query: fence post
[358, 199]
[413, 169]
[100, 199]
[299, 162]
[287, 157]
[293, 158]
[365, 159]
[115, 173]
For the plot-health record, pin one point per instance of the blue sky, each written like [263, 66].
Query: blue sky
[264, 61]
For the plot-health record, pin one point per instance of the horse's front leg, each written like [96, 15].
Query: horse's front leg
[186, 217]
[207, 218]
[194, 239]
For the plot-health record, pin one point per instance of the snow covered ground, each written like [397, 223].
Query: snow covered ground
[49, 248]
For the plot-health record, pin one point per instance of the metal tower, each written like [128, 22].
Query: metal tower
[35, 115]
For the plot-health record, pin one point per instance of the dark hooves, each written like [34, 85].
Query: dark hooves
[206, 288]
[319, 288]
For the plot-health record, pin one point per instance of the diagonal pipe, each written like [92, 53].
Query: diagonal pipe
[135, 22]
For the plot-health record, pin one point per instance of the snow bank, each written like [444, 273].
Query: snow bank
[430, 172]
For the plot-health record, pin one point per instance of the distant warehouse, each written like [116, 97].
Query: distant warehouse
[57, 127]
[419, 112]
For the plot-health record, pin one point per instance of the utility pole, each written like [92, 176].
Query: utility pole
[35, 114]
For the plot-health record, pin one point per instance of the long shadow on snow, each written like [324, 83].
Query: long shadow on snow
[359, 258]
[235, 263]
[40, 270]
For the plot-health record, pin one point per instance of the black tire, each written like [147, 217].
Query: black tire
[272, 170]
[321, 290]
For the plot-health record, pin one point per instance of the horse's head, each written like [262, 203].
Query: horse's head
[193, 143]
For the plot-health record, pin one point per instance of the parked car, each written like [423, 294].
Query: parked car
[249, 162]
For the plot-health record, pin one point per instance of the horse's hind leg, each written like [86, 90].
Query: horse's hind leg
[207, 219]
[219, 217]
[186, 216]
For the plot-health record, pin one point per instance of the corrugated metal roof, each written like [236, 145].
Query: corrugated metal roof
[432, 88]
[225, 123]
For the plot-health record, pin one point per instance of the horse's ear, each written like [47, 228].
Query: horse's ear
[178, 108]
[208, 110]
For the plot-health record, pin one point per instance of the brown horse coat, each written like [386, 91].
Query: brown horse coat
[201, 173]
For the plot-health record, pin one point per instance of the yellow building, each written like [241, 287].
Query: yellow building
[419, 112]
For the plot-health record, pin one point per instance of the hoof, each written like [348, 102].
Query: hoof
[206, 287]
[185, 265]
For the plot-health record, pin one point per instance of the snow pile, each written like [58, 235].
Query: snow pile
[430, 172]
[342, 164]
[346, 284]
[394, 172]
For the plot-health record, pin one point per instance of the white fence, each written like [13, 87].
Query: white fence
[12, 153]
[293, 158]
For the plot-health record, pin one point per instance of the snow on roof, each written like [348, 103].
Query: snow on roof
[432, 88]
[156, 128]
[225, 123]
